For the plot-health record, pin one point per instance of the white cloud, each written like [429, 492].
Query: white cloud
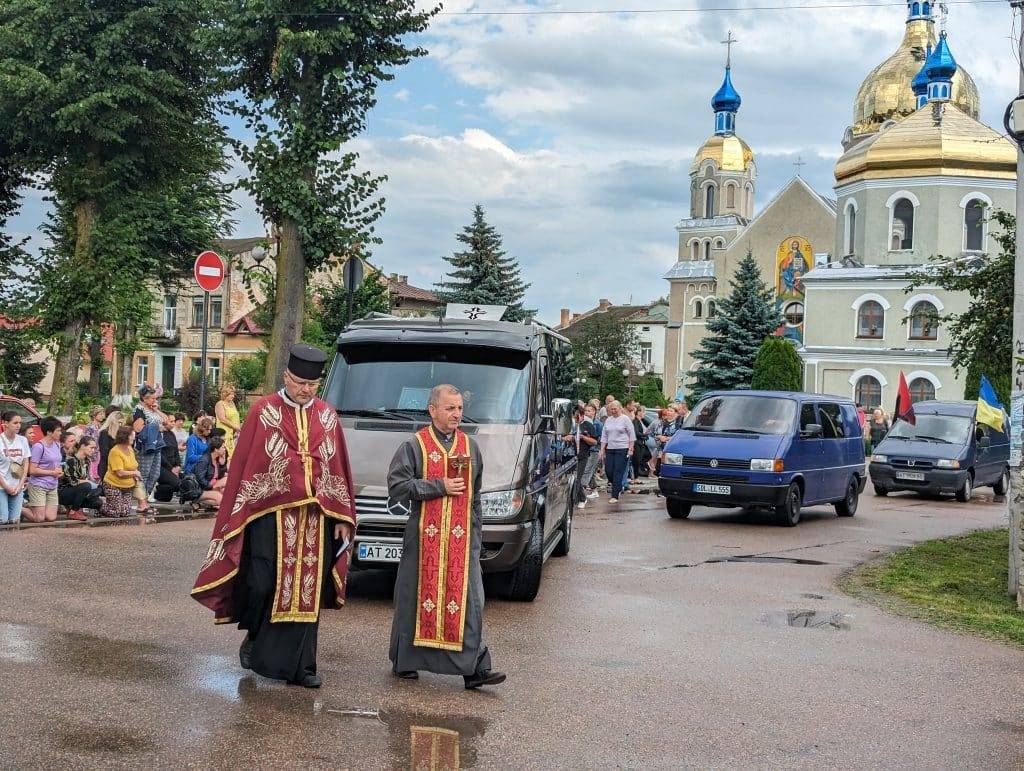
[402, 95]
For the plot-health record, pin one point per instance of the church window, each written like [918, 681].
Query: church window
[851, 227]
[902, 236]
[924, 321]
[712, 310]
[916, 9]
[921, 389]
[695, 250]
[707, 250]
[870, 320]
[974, 225]
[868, 392]
[730, 196]
[794, 314]
[698, 309]
[709, 201]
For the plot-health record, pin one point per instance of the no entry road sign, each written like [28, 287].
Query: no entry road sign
[209, 271]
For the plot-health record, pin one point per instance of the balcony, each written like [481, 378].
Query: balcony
[164, 336]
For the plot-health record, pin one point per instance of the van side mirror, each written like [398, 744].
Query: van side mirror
[812, 431]
[561, 416]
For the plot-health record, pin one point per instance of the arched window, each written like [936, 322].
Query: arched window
[709, 201]
[698, 309]
[924, 321]
[730, 196]
[794, 314]
[868, 392]
[927, 8]
[695, 250]
[712, 310]
[974, 225]
[915, 9]
[902, 236]
[707, 250]
[851, 227]
[870, 320]
[921, 389]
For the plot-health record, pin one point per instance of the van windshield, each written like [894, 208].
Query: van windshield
[743, 415]
[394, 381]
[945, 429]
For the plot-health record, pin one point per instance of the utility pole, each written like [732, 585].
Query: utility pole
[1016, 503]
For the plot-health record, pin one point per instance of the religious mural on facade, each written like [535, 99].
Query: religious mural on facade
[793, 259]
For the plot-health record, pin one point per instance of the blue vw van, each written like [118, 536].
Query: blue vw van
[765, 448]
[946, 452]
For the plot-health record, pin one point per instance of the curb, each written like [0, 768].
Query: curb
[166, 514]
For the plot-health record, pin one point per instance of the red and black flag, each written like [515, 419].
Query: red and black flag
[904, 406]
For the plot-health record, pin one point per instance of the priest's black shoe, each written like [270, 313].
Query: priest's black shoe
[410, 675]
[311, 681]
[487, 677]
[245, 653]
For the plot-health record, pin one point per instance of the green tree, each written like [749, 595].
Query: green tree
[19, 342]
[744, 319]
[648, 392]
[111, 102]
[370, 297]
[484, 274]
[613, 382]
[777, 367]
[980, 338]
[305, 74]
[601, 342]
[246, 372]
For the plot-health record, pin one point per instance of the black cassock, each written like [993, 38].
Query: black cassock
[285, 650]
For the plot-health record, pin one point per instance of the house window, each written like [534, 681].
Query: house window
[794, 314]
[698, 309]
[974, 225]
[851, 227]
[216, 312]
[213, 370]
[868, 392]
[870, 320]
[645, 354]
[143, 371]
[709, 201]
[921, 389]
[712, 310]
[730, 196]
[902, 236]
[197, 311]
[170, 311]
[924, 321]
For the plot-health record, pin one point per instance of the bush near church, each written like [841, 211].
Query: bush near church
[777, 367]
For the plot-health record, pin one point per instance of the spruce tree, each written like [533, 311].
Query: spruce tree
[744, 319]
[484, 274]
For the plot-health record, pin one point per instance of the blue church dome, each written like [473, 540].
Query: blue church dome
[940, 65]
[919, 85]
[726, 99]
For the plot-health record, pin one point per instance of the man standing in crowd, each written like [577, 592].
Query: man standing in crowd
[586, 454]
[280, 547]
[439, 592]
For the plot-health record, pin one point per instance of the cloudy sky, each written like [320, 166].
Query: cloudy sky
[576, 131]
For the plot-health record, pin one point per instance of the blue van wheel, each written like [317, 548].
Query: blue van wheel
[847, 507]
[788, 514]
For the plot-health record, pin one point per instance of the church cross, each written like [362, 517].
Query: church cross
[800, 163]
[728, 43]
[459, 463]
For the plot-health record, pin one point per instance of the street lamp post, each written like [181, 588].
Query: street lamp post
[258, 254]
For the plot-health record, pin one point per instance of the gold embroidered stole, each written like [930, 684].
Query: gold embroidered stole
[444, 541]
[299, 573]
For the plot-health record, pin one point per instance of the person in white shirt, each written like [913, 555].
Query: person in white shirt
[14, 456]
[617, 440]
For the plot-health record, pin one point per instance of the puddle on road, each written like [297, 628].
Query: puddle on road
[808, 619]
[93, 739]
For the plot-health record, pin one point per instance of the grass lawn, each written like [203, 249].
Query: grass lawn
[957, 582]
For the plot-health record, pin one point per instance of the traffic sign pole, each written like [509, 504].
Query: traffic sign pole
[202, 355]
[209, 274]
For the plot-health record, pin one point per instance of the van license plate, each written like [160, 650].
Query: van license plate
[911, 476]
[380, 552]
[713, 489]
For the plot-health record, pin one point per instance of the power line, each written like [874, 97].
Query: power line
[715, 9]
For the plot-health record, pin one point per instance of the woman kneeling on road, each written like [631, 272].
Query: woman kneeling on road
[211, 473]
[121, 482]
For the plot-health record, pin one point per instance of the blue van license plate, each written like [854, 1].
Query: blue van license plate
[699, 487]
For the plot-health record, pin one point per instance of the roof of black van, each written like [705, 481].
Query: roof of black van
[488, 334]
[797, 395]
[963, 409]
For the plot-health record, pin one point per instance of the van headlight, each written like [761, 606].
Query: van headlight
[876, 458]
[944, 463]
[766, 464]
[672, 459]
[501, 504]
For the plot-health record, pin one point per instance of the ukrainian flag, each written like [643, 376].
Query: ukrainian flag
[990, 410]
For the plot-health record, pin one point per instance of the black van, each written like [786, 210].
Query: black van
[947, 451]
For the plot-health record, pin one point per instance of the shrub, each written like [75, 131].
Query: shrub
[246, 372]
[777, 367]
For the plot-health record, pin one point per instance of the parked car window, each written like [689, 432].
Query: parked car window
[807, 416]
[831, 421]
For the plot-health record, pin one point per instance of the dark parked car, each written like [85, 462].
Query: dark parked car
[29, 416]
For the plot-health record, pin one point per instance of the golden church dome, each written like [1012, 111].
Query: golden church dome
[885, 93]
[938, 139]
[728, 151]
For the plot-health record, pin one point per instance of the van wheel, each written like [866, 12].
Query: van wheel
[562, 549]
[523, 583]
[848, 506]
[1002, 487]
[678, 509]
[788, 514]
[881, 492]
[964, 493]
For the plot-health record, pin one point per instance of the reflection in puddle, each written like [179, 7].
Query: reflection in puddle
[808, 619]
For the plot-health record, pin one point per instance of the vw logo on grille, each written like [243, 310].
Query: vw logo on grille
[714, 463]
[911, 462]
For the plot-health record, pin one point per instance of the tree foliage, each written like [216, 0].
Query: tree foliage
[371, 296]
[648, 392]
[246, 372]
[483, 274]
[601, 342]
[980, 338]
[744, 319]
[777, 367]
[304, 75]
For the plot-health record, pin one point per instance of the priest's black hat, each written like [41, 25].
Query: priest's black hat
[306, 362]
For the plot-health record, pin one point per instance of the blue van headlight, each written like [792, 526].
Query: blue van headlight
[672, 459]
[766, 464]
[501, 504]
[946, 463]
[877, 458]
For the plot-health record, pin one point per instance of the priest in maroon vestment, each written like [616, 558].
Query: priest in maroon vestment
[280, 546]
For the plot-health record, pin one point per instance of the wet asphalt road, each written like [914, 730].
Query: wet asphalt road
[638, 653]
